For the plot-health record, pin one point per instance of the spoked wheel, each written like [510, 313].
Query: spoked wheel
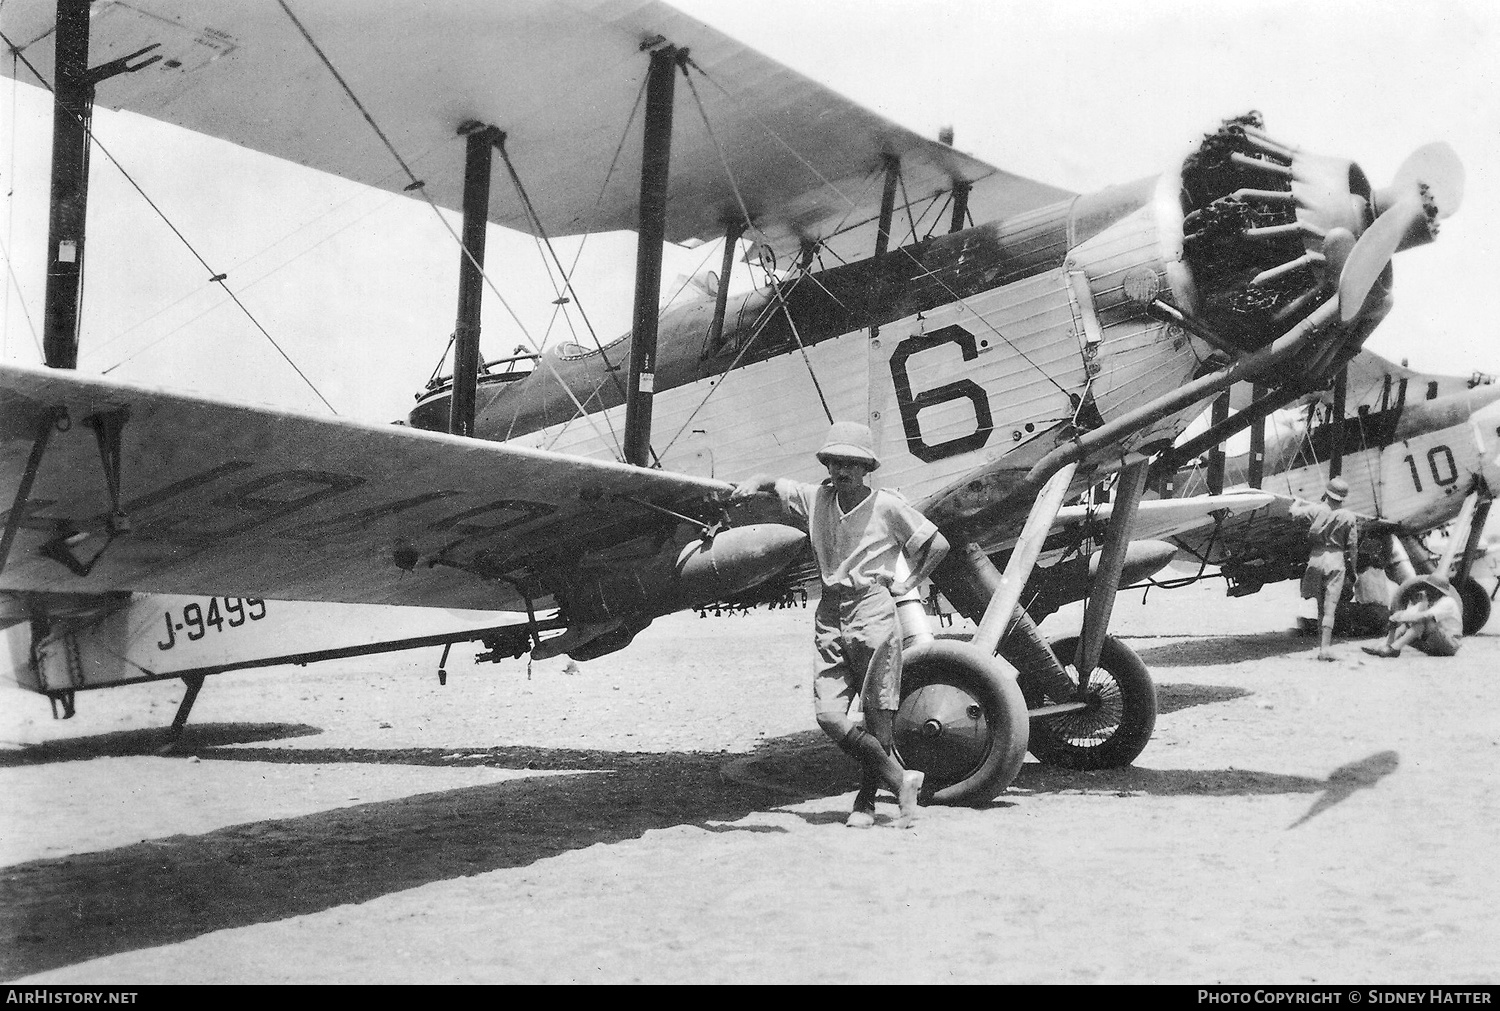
[962, 721]
[1115, 726]
[1476, 604]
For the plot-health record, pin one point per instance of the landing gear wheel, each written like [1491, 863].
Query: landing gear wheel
[962, 721]
[1116, 726]
[1476, 605]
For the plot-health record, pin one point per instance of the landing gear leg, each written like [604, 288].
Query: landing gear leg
[962, 719]
[1117, 724]
[1101, 601]
[1100, 714]
[1476, 602]
[194, 684]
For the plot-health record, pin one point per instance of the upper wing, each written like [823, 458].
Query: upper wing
[560, 77]
[219, 499]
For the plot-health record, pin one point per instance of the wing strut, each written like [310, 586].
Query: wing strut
[732, 232]
[1336, 419]
[887, 205]
[959, 221]
[478, 159]
[655, 164]
[1257, 442]
[1252, 417]
[1216, 455]
[72, 109]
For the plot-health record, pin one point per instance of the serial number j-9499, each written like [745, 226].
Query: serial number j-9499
[236, 612]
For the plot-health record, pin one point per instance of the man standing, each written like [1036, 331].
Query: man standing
[1333, 546]
[859, 536]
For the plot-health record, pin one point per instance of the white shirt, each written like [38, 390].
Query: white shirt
[863, 546]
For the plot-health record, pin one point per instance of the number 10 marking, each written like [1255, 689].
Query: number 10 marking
[1441, 476]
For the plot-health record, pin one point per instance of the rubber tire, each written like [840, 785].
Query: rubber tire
[1476, 605]
[989, 680]
[1137, 697]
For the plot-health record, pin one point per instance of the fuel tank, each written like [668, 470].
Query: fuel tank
[684, 572]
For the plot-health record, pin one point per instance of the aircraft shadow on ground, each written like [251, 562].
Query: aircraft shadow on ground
[1171, 698]
[63, 911]
[1211, 651]
[146, 741]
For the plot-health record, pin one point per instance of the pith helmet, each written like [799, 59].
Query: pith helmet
[1429, 582]
[1437, 582]
[849, 440]
[1337, 490]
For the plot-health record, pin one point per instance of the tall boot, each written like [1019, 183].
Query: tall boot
[863, 815]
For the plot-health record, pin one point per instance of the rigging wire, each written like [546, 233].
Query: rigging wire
[101, 345]
[614, 161]
[758, 327]
[417, 186]
[906, 203]
[542, 237]
[776, 291]
[943, 284]
[10, 222]
[774, 284]
[215, 277]
[10, 271]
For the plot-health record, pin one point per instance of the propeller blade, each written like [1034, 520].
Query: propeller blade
[1372, 253]
[1337, 245]
[1437, 167]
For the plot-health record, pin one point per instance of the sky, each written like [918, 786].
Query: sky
[358, 286]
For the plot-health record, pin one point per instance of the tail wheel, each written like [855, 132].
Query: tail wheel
[1116, 725]
[962, 721]
[1476, 604]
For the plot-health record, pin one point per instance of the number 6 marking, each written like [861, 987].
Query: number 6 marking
[963, 389]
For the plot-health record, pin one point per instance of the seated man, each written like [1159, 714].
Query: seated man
[1433, 623]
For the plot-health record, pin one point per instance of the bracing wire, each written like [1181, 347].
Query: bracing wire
[545, 239]
[10, 222]
[10, 272]
[99, 347]
[757, 327]
[417, 186]
[614, 161]
[843, 196]
[215, 277]
[776, 291]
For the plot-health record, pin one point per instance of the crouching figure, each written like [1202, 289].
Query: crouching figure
[1433, 622]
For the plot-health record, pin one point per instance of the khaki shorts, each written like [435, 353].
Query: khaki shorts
[1434, 641]
[858, 640]
[1323, 581]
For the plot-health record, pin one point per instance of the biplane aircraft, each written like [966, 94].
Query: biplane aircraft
[1419, 451]
[1011, 344]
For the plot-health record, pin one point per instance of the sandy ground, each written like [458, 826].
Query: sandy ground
[671, 814]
